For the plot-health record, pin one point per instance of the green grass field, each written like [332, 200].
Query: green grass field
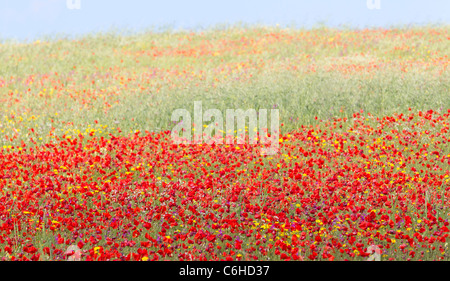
[136, 81]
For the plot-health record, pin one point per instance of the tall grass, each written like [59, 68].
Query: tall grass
[134, 82]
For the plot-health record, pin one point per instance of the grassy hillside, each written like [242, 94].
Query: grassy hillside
[135, 82]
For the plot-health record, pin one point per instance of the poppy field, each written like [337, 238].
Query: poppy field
[89, 171]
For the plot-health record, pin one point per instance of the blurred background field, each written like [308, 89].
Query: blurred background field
[111, 83]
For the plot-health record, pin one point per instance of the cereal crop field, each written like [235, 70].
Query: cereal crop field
[89, 169]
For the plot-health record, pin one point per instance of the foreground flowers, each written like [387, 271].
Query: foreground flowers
[340, 190]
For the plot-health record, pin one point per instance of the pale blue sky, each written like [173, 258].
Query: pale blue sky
[32, 19]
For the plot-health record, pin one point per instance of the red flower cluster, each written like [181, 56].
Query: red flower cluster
[332, 192]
